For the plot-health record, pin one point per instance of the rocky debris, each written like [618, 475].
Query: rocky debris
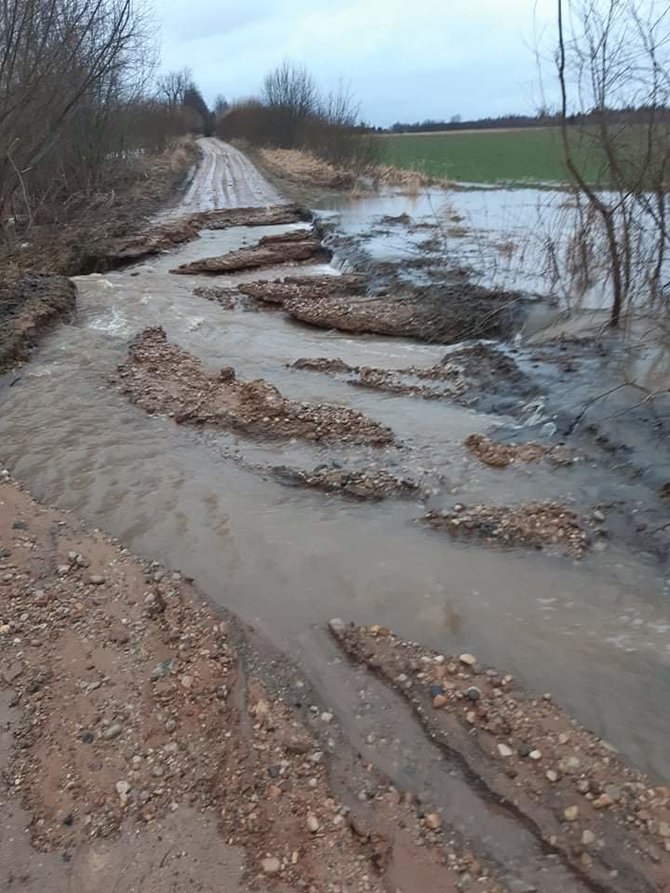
[501, 455]
[367, 484]
[104, 747]
[430, 383]
[493, 740]
[163, 237]
[29, 304]
[291, 247]
[537, 525]
[304, 287]
[228, 297]
[163, 378]
[443, 314]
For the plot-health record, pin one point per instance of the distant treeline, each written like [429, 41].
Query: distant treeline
[543, 119]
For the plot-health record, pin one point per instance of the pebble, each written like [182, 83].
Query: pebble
[468, 659]
[535, 754]
[473, 694]
[613, 791]
[571, 813]
[588, 837]
[271, 866]
[327, 717]
[433, 821]
[436, 691]
[598, 516]
[170, 725]
[161, 669]
[664, 829]
[112, 731]
[440, 701]
[505, 751]
[313, 823]
[96, 579]
[602, 802]
[552, 776]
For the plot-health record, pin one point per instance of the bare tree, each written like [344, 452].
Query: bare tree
[613, 64]
[172, 87]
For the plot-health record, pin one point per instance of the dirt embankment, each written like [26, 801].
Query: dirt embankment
[609, 824]
[29, 305]
[162, 378]
[297, 246]
[141, 752]
[301, 167]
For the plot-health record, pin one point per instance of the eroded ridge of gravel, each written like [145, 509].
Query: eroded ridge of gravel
[608, 822]
[127, 704]
[364, 484]
[271, 251]
[501, 455]
[162, 378]
[308, 287]
[538, 525]
[409, 381]
[162, 237]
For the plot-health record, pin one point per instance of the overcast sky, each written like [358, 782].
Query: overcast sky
[404, 60]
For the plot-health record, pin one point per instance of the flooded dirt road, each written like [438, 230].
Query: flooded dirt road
[594, 632]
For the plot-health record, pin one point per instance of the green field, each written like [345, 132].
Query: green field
[532, 155]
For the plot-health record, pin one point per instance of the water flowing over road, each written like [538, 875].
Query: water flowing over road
[593, 633]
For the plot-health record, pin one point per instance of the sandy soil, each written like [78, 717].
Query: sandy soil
[162, 378]
[139, 754]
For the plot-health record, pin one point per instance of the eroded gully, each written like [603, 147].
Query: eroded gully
[593, 633]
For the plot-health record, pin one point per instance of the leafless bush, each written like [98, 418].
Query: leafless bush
[73, 74]
[293, 114]
[613, 64]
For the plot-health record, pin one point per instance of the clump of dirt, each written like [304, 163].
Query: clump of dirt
[391, 381]
[304, 167]
[129, 703]
[307, 287]
[29, 304]
[534, 524]
[501, 455]
[607, 822]
[228, 297]
[163, 378]
[438, 314]
[369, 484]
[271, 251]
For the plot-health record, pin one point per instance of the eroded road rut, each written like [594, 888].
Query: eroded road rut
[287, 561]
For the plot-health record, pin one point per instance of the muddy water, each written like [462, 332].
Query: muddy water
[594, 633]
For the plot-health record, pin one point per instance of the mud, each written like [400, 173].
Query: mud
[369, 484]
[537, 525]
[607, 823]
[161, 378]
[502, 455]
[271, 251]
[29, 305]
[144, 750]
[442, 315]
